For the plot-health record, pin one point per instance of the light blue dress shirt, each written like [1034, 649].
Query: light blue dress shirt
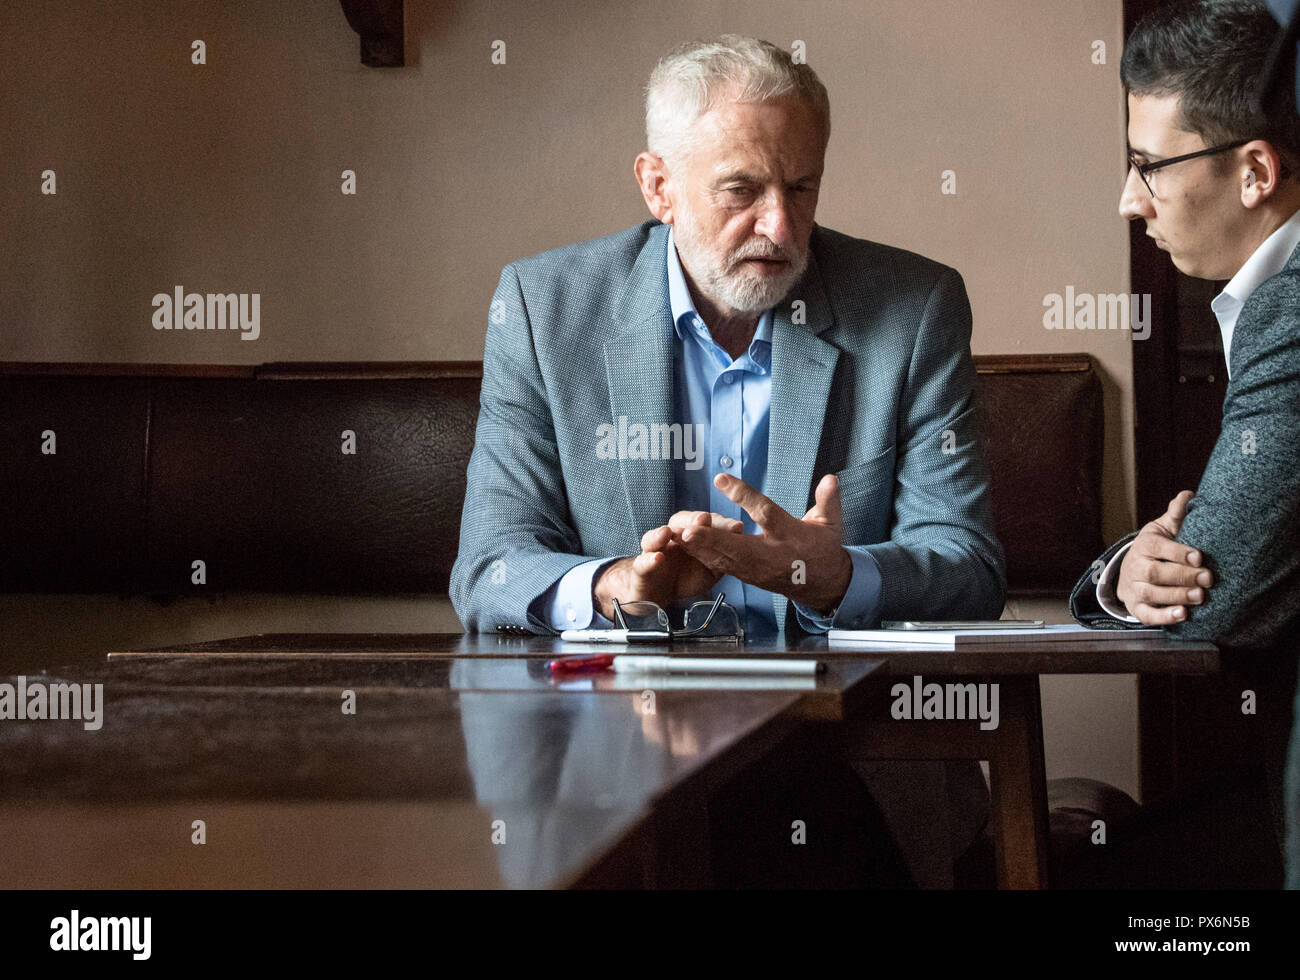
[730, 399]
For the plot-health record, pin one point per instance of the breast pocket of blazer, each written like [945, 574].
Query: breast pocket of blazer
[867, 497]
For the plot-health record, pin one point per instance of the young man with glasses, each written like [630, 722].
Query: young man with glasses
[1212, 176]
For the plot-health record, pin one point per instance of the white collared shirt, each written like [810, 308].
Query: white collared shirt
[1264, 263]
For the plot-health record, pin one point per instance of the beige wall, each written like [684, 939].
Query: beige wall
[225, 177]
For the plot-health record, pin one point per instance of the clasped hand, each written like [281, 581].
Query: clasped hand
[801, 558]
[1159, 577]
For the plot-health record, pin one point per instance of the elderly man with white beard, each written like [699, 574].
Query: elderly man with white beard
[829, 379]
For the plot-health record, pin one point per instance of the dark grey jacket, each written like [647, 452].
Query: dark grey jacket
[1245, 517]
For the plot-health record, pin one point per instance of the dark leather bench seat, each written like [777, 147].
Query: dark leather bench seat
[241, 467]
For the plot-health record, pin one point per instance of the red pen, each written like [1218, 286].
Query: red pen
[581, 665]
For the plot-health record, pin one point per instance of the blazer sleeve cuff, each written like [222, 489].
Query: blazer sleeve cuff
[1086, 607]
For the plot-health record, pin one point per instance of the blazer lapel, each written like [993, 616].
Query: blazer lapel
[803, 366]
[639, 373]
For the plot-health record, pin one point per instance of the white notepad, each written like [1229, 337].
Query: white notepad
[960, 639]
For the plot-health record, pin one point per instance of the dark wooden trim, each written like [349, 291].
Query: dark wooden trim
[371, 369]
[1155, 374]
[1033, 363]
[361, 370]
[97, 370]
[273, 371]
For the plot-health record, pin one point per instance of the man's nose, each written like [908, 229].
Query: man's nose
[1135, 200]
[774, 220]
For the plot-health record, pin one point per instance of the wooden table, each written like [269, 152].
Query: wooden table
[192, 732]
[1014, 750]
[452, 771]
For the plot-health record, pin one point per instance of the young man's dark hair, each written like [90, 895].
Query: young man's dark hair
[1211, 54]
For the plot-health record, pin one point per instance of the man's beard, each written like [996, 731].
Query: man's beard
[739, 290]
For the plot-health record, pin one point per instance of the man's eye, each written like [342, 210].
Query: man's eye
[739, 191]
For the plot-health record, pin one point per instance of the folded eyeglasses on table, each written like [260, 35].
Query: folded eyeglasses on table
[647, 622]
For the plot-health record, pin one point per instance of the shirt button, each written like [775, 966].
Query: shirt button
[726, 462]
[729, 378]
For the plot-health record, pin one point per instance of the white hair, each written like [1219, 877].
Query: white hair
[694, 77]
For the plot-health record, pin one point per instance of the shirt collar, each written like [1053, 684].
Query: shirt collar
[683, 307]
[1266, 261]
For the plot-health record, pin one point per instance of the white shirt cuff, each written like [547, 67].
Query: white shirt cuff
[570, 606]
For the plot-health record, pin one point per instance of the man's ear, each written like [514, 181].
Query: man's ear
[1260, 173]
[652, 178]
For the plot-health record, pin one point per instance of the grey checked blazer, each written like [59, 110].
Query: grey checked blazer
[874, 385]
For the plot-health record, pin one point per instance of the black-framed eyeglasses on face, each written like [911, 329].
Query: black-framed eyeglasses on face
[1146, 170]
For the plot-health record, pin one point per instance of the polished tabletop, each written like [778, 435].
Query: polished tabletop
[465, 761]
[359, 771]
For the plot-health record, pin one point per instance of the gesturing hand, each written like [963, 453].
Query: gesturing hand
[1159, 577]
[770, 559]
